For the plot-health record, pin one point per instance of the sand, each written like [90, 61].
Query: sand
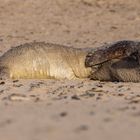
[68, 109]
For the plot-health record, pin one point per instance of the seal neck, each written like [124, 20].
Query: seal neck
[77, 63]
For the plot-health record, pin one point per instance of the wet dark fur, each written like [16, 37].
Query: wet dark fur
[116, 62]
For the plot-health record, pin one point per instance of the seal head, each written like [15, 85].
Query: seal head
[117, 50]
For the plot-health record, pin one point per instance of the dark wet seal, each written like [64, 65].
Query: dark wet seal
[119, 49]
[75, 97]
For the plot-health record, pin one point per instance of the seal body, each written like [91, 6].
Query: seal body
[41, 60]
[124, 70]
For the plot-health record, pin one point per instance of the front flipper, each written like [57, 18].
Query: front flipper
[120, 49]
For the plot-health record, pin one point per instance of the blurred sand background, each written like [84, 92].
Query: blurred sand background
[68, 109]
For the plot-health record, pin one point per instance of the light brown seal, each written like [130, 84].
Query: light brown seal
[44, 60]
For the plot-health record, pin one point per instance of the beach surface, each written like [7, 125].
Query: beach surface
[68, 109]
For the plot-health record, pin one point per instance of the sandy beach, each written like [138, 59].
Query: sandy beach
[68, 109]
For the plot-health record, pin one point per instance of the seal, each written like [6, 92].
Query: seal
[40, 60]
[119, 61]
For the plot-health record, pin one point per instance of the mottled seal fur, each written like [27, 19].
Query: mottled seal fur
[117, 62]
